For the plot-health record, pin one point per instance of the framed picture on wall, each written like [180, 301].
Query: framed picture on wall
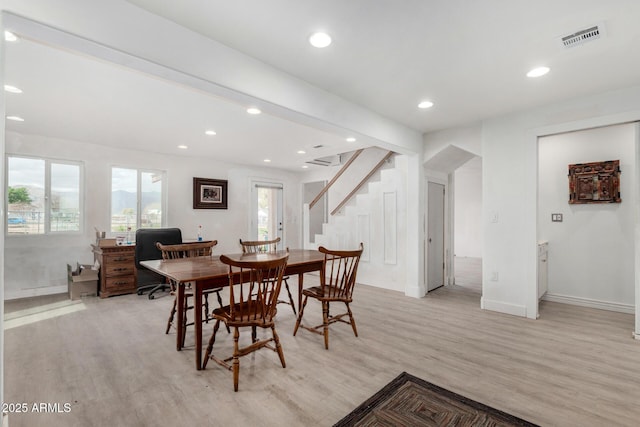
[209, 193]
[596, 182]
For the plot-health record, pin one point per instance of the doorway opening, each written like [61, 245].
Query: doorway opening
[467, 219]
[267, 215]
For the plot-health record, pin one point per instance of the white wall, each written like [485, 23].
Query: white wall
[510, 168]
[468, 209]
[47, 262]
[591, 253]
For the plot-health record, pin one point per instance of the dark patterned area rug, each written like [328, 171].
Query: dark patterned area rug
[411, 401]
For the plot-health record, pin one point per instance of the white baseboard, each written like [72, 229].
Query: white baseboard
[502, 307]
[35, 292]
[414, 291]
[592, 303]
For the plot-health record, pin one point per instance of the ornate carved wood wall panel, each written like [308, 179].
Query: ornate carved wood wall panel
[597, 182]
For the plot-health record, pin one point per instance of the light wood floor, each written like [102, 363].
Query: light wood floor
[468, 273]
[112, 361]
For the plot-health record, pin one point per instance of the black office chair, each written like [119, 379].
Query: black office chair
[146, 249]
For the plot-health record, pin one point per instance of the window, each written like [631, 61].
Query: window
[137, 199]
[43, 196]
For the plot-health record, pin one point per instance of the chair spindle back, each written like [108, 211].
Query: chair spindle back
[259, 246]
[255, 295]
[338, 276]
[187, 250]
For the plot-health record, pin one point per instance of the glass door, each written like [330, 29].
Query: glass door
[267, 220]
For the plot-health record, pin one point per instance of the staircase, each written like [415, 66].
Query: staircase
[376, 216]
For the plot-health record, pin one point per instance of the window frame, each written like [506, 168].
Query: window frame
[48, 161]
[139, 172]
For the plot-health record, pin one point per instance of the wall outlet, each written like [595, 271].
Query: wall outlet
[556, 217]
[494, 276]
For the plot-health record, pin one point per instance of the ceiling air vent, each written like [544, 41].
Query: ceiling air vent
[583, 36]
[326, 161]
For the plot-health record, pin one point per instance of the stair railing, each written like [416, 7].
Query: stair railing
[335, 178]
[361, 183]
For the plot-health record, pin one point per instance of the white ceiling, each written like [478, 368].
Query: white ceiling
[468, 57]
[74, 97]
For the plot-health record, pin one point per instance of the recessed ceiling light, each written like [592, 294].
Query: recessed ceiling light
[267, 160]
[182, 147]
[253, 110]
[305, 166]
[351, 139]
[302, 152]
[210, 132]
[425, 104]
[320, 39]
[15, 118]
[10, 37]
[538, 72]
[12, 89]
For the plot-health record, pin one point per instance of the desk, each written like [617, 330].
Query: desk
[117, 269]
[209, 272]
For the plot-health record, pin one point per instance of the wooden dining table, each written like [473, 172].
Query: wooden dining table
[209, 272]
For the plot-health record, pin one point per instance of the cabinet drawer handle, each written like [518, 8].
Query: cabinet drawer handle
[120, 283]
[121, 259]
[121, 269]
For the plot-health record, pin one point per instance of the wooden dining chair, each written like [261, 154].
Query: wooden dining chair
[337, 280]
[268, 246]
[252, 304]
[188, 250]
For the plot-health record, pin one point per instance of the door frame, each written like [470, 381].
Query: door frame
[446, 180]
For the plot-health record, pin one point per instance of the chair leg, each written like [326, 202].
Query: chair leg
[276, 339]
[221, 306]
[206, 308]
[353, 322]
[219, 299]
[171, 316]
[304, 303]
[236, 359]
[212, 340]
[325, 323]
[293, 306]
[184, 323]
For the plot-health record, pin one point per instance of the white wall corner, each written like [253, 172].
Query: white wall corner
[415, 285]
[414, 291]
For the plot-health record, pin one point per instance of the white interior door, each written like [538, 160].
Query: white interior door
[435, 236]
[267, 218]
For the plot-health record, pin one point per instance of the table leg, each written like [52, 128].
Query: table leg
[300, 279]
[180, 315]
[197, 320]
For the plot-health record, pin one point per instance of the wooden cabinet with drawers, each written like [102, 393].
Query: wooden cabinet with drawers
[117, 270]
